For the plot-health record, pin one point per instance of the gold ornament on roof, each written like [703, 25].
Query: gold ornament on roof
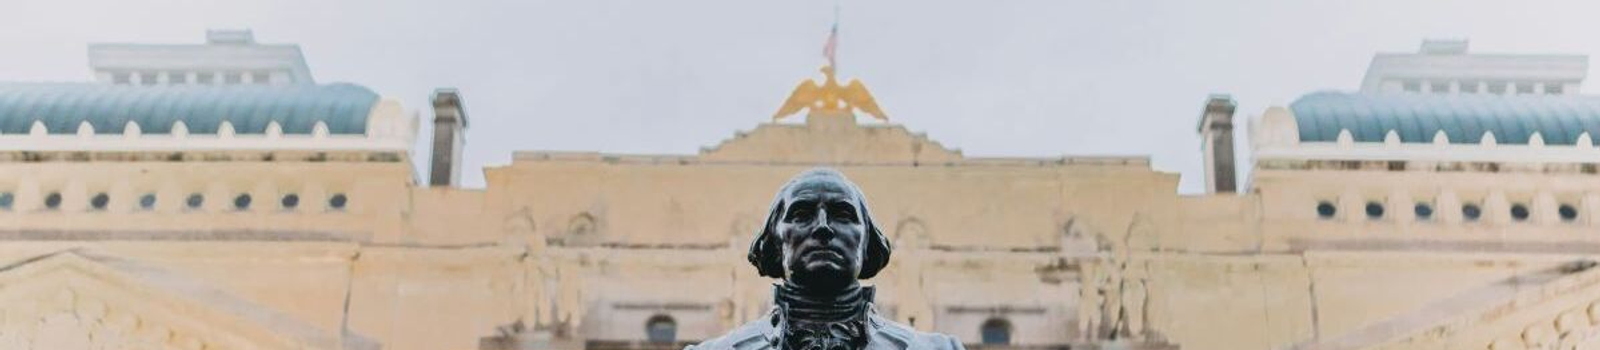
[830, 98]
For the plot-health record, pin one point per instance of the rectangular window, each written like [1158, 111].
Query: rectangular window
[1497, 87]
[147, 78]
[1553, 88]
[260, 78]
[233, 79]
[121, 78]
[1411, 86]
[1524, 88]
[205, 78]
[177, 78]
[1440, 87]
[1469, 87]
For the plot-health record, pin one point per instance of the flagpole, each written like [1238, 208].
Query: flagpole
[832, 61]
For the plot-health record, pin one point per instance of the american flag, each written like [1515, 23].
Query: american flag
[832, 45]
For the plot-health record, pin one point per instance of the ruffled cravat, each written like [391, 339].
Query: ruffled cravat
[806, 321]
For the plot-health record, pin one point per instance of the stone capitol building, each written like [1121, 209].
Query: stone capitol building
[216, 196]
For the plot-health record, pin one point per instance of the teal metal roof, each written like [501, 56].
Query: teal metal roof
[1463, 118]
[297, 109]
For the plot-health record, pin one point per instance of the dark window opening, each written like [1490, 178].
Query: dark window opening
[1471, 212]
[195, 201]
[661, 329]
[7, 200]
[338, 201]
[996, 331]
[147, 201]
[100, 201]
[1519, 212]
[1568, 212]
[290, 201]
[1374, 210]
[1524, 88]
[1424, 211]
[242, 202]
[52, 201]
[1326, 210]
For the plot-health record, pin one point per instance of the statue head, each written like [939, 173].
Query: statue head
[819, 234]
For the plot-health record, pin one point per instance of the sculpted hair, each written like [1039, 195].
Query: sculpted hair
[766, 252]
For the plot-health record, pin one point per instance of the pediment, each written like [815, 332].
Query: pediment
[79, 300]
[831, 139]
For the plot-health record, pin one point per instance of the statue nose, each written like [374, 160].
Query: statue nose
[823, 230]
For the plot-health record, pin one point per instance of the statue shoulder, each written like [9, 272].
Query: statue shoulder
[899, 336]
[750, 336]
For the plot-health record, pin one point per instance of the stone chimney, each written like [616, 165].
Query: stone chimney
[1216, 137]
[449, 137]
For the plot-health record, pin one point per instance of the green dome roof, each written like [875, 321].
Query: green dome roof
[1463, 118]
[202, 108]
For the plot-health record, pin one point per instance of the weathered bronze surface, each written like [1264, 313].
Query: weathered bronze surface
[820, 240]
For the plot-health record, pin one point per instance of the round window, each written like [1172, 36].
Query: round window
[1374, 210]
[100, 201]
[1568, 212]
[147, 201]
[195, 200]
[1471, 212]
[338, 201]
[290, 201]
[1519, 212]
[1424, 211]
[1326, 210]
[52, 201]
[242, 202]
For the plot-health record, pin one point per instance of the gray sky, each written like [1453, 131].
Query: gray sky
[993, 78]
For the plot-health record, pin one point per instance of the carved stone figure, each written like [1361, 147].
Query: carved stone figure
[821, 241]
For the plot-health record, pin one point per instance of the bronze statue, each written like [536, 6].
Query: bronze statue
[821, 241]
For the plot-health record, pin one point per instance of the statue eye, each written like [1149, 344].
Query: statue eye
[801, 211]
[843, 212]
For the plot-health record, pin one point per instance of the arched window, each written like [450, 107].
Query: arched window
[582, 224]
[661, 329]
[996, 331]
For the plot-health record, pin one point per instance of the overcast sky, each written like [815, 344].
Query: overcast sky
[992, 78]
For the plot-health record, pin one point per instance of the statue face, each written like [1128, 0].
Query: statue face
[821, 231]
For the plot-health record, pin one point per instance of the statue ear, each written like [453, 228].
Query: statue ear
[766, 252]
[877, 246]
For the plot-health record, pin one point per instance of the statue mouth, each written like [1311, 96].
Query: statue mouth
[823, 253]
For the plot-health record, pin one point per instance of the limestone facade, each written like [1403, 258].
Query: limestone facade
[1326, 246]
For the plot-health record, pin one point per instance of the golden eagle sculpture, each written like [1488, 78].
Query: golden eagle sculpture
[830, 97]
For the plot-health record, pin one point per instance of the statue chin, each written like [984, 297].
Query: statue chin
[827, 276]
